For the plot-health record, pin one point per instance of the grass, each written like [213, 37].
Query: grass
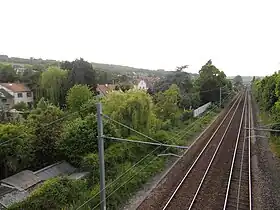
[274, 141]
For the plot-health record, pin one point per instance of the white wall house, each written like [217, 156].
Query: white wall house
[142, 85]
[20, 92]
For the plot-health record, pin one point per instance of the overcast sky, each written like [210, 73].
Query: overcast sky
[240, 36]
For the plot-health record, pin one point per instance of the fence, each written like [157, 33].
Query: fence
[201, 109]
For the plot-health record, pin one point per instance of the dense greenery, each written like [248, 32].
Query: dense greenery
[62, 126]
[53, 194]
[267, 94]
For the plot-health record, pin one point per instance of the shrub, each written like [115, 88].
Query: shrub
[21, 106]
[53, 194]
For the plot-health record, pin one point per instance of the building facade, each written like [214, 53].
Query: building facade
[19, 91]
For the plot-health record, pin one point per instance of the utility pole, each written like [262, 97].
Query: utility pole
[101, 156]
[220, 97]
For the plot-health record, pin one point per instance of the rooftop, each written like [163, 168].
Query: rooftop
[104, 89]
[18, 187]
[5, 94]
[15, 87]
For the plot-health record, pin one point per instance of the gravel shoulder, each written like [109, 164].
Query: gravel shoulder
[265, 170]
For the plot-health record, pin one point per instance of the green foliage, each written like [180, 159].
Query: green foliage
[7, 73]
[167, 104]
[184, 82]
[77, 96]
[266, 91]
[53, 194]
[21, 106]
[52, 84]
[47, 133]
[133, 108]
[133, 180]
[81, 72]
[211, 78]
[267, 94]
[238, 81]
[15, 150]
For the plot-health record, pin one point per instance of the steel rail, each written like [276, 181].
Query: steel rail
[242, 155]
[249, 152]
[238, 100]
[233, 159]
[217, 149]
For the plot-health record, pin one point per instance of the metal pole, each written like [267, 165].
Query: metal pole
[101, 156]
[220, 97]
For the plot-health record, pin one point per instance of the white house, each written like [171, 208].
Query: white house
[19, 91]
[142, 85]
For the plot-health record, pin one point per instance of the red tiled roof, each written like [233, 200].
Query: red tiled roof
[104, 89]
[15, 87]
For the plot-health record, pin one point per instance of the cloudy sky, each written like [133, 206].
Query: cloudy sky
[240, 36]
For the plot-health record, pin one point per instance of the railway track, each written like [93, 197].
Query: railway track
[238, 195]
[219, 176]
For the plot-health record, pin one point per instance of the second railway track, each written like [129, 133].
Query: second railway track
[202, 184]
[219, 176]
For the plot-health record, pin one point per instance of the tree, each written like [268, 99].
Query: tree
[181, 68]
[7, 73]
[82, 72]
[167, 104]
[16, 154]
[80, 138]
[31, 78]
[53, 85]
[238, 81]
[210, 80]
[21, 106]
[133, 108]
[77, 96]
[47, 133]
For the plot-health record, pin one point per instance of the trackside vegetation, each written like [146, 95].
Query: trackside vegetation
[62, 126]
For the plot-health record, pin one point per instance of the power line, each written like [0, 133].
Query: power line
[132, 167]
[129, 179]
[47, 124]
[111, 183]
[145, 142]
[119, 123]
[193, 123]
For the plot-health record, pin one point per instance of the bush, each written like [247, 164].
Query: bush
[79, 138]
[21, 106]
[188, 114]
[53, 194]
[77, 96]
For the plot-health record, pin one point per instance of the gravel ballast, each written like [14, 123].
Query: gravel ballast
[265, 170]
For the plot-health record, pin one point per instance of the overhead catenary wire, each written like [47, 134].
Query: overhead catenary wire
[145, 142]
[129, 179]
[198, 120]
[48, 124]
[121, 124]
[120, 176]
[130, 167]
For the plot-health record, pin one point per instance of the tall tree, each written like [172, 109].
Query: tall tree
[209, 81]
[167, 104]
[15, 150]
[237, 81]
[47, 133]
[52, 83]
[133, 108]
[77, 96]
[185, 84]
[7, 73]
[82, 72]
